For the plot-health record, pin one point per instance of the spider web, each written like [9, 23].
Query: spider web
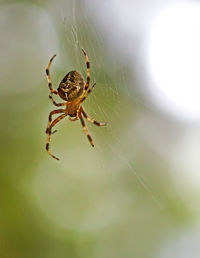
[119, 198]
[122, 175]
[116, 100]
[117, 87]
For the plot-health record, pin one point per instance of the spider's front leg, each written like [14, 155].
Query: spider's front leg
[49, 77]
[88, 70]
[55, 103]
[88, 92]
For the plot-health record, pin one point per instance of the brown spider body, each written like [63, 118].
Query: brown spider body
[71, 86]
[74, 91]
[72, 107]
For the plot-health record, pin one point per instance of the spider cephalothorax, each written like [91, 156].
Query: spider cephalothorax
[74, 91]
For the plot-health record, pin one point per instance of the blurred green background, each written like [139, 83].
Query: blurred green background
[127, 197]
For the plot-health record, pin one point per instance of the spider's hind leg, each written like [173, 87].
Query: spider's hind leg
[50, 117]
[85, 129]
[91, 119]
[50, 126]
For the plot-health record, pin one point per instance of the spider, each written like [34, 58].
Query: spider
[74, 91]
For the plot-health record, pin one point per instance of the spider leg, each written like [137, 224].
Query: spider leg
[85, 129]
[50, 117]
[48, 76]
[91, 119]
[49, 133]
[88, 71]
[56, 104]
[88, 92]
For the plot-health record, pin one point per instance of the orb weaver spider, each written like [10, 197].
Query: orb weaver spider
[74, 91]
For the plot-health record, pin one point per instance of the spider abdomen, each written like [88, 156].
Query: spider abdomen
[71, 86]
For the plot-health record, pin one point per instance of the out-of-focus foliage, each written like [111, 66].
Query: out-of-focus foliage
[116, 200]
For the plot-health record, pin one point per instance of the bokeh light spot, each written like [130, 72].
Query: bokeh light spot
[173, 60]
